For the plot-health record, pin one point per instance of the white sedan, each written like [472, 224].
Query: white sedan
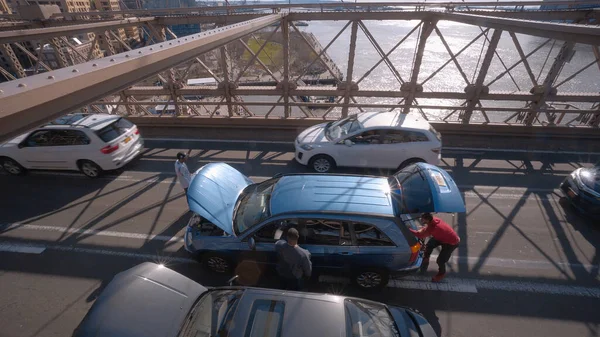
[387, 140]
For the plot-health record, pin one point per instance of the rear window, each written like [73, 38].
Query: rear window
[266, 319]
[437, 135]
[114, 130]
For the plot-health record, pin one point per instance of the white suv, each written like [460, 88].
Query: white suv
[91, 143]
[387, 140]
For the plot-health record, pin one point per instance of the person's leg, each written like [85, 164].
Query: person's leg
[186, 196]
[429, 247]
[442, 259]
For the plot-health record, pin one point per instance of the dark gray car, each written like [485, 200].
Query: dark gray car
[151, 300]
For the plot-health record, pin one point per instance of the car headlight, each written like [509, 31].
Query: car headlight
[306, 147]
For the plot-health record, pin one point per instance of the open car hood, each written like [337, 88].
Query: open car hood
[422, 188]
[214, 191]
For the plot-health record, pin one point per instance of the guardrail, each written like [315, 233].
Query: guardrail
[518, 137]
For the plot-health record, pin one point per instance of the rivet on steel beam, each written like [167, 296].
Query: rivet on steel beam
[22, 85]
[112, 60]
[170, 43]
[50, 77]
[151, 48]
[95, 65]
[161, 46]
[126, 55]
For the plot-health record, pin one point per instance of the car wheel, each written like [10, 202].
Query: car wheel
[90, 169]
[12, 167]
[410, 162]
[322, 163]
[371, 279]
[216, 263]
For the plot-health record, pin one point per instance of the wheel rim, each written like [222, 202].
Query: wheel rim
[89, 169]
[369, 279]
[11, 167]
[322, 165]
[218, 264]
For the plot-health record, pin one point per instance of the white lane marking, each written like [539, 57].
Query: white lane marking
[20, 248]
[462, 285]
[150, 257]
[218, 141]
[489, 262]
[95, 232]
[450, 284]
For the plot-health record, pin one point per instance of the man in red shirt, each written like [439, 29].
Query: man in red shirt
[441, 234]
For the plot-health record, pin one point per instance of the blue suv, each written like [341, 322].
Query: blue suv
[352, 225]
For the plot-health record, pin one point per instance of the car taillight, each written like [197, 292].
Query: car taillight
[414, 250]
[436, 150]
[110, 149]
[137, 131]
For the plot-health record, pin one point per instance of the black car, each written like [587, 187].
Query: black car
[151, 300]
[582, 189]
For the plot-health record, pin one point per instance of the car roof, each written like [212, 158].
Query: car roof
[324, 312]
[92, 121]
[332, 193]
[392, 119]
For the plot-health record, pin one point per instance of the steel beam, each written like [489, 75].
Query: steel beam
[350, 71]
[561, 31]
[547, 87]
[68, 30]
[333, 91]
[28, 102]
[12, 60]
[285, 26]
[475, 94]
[426, 30]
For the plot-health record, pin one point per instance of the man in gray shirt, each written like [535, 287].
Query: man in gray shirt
[293, 262]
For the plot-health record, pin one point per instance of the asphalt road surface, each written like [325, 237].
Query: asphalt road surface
[527, 264]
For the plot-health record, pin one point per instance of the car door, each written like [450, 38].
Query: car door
[329, 242]
[37, 150]
[360, 150]
[69, 146]
[399, 145]
[376, 249]
[265, 238]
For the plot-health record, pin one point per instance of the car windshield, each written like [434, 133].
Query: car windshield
[253, 206]
[343, 127]
[212, 315]
[369, 319]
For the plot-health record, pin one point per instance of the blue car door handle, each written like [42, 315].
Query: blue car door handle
[345, 253]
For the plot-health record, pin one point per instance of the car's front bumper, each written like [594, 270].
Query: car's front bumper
[580, 199]
[301, 156]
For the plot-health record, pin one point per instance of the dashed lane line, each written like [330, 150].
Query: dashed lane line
[450, 284]
[94, 232]
[489, 262]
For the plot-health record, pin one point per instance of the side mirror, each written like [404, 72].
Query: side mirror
[348, 142]
[252, 243]
[21, 145]
[231, 280]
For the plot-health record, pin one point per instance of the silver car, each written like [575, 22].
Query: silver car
[151, 300]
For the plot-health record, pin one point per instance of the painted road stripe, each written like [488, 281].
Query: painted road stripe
[450, 284]
[94, 232]
[489, 262]
[19, 248]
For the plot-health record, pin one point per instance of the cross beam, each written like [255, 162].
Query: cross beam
[33, 100]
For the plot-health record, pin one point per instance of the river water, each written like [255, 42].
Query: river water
[389, 33]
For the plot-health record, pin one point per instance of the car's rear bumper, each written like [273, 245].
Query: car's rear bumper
[117, 162]
[410, 269]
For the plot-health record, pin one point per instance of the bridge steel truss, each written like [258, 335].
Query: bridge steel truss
[107, 82]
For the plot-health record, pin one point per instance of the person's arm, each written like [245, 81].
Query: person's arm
[307, 265]
[421, 233]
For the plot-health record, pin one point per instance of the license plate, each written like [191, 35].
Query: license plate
[127, 140]
[571, 194]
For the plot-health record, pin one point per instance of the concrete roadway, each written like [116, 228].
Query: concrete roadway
[527, 264]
